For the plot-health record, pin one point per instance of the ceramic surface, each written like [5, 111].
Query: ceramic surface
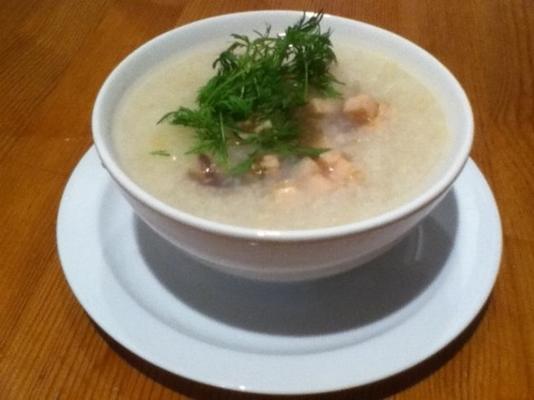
[281, 338]
[285, 255]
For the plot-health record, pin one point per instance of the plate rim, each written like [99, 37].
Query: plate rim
[90, 157]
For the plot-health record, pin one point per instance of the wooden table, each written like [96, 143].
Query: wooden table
[54, 55]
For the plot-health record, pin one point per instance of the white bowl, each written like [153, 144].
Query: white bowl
[277, 254]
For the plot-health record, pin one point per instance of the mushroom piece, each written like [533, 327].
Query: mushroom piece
[205, 171]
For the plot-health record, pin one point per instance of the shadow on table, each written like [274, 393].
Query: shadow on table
[374, 391]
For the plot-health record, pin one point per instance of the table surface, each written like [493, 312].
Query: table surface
[54, 55]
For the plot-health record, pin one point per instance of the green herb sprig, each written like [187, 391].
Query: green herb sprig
[161, 153]
[252, 99]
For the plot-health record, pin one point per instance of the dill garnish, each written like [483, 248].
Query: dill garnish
[251, 101]
[162, 153]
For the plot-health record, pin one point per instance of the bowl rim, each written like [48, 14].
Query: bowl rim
[415, 204]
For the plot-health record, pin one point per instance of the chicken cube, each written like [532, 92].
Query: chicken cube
[321, 107]
[337, 167]
[270, 164]
[286, 192]
[344, 171]
[331, 156]
[318, 184]
[267, 124]
[361, 108]
[306, 167]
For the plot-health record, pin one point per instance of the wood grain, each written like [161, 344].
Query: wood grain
[54, 55]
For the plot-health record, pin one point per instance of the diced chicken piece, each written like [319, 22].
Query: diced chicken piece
[247, 126]
[321, 107]
[317, 184]
[361, 108]
[324, 174]
[337, 167]
[309, 178]
[331, 156]
[306, 167]
[286, 193]
[270, 161]
[267, 124]
[270, 164]
[343, 172]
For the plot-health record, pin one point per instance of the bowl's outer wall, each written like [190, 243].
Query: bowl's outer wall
[272, 260]
[250, 254]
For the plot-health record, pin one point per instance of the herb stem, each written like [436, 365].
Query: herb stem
[260, 83]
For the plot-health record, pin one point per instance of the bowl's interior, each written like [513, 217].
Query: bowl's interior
[430, 71]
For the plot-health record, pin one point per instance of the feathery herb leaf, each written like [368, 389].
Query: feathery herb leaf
[252, 99]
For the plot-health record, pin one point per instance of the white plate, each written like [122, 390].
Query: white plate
[324, 335]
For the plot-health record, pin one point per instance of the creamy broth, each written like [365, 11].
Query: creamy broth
[395, 160]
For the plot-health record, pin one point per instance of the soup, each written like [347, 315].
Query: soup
[385, 134]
